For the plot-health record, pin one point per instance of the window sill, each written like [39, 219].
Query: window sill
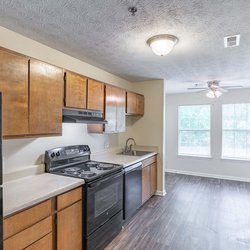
[195, 156]
[234, 159]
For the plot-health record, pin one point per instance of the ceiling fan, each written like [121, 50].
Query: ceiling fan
[214, 89]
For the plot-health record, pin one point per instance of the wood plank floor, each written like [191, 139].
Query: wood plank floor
[197, 213]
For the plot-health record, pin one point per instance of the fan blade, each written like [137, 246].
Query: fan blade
[196, 88]
[232, 87]
[222, 90]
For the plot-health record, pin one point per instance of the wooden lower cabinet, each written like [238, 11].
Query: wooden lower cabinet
[69, 220]
[44, 243]
[47, 226]
[153, 178]
[69, 227]
[145, 183]
[149, 178]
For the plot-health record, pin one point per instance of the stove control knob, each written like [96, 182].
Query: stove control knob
[58, 154]
[52, 155]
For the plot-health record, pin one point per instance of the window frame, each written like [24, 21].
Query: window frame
[224, 157]
[209, 130]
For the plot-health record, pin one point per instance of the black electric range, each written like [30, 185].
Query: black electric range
[102, 191]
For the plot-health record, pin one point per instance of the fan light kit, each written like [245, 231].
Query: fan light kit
[213, 94]
[161, 45]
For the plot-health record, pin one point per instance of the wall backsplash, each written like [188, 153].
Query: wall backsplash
[20, 153]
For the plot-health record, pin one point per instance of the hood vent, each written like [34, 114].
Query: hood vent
[83, 116]
[232, 41]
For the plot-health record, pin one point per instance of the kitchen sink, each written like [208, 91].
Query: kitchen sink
[135, 153]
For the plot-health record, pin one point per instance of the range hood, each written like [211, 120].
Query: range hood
[83, 116]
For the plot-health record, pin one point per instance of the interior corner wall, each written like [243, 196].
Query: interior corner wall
[214, 167]
[149, 129]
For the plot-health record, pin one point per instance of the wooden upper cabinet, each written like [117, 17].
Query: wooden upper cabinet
[75, 90]
[121, 110]
[14, 88]
[131, 103]
[115, 106]
[110, 108]
[95, 95]
[140, 104]
[134, 104]
[46, 94]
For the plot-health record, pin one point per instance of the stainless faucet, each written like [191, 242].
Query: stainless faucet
[129, 148]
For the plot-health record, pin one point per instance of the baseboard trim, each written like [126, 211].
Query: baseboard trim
[160, 193]
[224, 177]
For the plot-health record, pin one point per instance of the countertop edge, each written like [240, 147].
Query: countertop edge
[34, 202]
[140, 159]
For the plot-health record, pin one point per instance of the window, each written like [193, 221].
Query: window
[194, 130]
[236, 131]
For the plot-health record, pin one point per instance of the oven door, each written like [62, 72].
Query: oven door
[102, 200]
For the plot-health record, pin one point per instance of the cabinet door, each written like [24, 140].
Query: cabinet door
[145, 183]
[153, 178]
[121, 110]
[46, 89]
[14, 88]
[95, 96]
[43, 244]
[69, 227]
[110, 108]
[131, 103]
[140, 104]
[75, 90]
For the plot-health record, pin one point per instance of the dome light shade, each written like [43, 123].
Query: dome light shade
[162, 44]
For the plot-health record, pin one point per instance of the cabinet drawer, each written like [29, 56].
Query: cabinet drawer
[67, 199]
[43, 244]
[30, 235]
[18, 222]
[148, 161]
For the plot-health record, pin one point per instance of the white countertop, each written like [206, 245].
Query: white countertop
[28, 191]
[124, 160]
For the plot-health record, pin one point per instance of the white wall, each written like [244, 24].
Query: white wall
[21, 153]
[149, 129]
[214, 167]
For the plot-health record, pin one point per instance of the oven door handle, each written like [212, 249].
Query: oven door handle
[99, 182]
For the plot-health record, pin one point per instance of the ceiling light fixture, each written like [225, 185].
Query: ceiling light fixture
[162, 44]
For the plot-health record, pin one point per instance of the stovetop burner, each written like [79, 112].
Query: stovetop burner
[74, 161]
[85, 174]
[71, 170]
[102, 166]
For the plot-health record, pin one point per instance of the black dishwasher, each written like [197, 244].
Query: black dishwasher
[132, 190]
